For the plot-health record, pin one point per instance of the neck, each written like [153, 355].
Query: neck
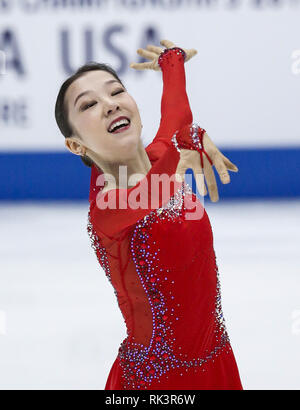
[127, 173]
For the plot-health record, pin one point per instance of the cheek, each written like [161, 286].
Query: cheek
[137, 113]
[132, 105]
[92, 122]
[93, 129]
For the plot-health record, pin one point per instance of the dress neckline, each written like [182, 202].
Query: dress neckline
[163, 164]
[96, 170]
[127, 189]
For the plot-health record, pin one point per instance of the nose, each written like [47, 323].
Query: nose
[111, 107]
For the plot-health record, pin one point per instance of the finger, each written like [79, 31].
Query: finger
[147, 54]
[198, 174]
[190, 53]
[199, 177]
[157, 50]
[141, 66]
[230, 165]
[180, 172]
[221, 169]
[167, 43]
[210, 180]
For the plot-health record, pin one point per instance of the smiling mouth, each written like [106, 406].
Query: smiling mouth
[120, 128]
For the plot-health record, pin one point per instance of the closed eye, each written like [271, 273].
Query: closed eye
[91, 104]
[86, 106]
[118, 92]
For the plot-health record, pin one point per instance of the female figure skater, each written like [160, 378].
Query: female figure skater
[161, 263]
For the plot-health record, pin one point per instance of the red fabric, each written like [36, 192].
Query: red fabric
[184, 140]
[163, 269]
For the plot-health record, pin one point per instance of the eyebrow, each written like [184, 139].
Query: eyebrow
[89, 91]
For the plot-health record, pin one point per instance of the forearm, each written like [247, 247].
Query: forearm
[175, 107]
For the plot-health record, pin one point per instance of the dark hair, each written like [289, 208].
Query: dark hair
[61, 111]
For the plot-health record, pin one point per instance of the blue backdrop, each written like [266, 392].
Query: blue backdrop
[263, 173]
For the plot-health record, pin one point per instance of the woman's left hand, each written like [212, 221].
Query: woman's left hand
[153, 52]
[191, 159]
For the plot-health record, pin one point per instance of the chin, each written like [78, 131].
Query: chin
[129, 146]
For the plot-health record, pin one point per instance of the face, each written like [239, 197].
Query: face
[91, 115]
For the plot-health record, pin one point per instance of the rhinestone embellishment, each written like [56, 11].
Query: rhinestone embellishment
[196, 143]
[143, 364]
[164, 56]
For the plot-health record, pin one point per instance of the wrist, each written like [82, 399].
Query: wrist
[191, 137]
[168, 54]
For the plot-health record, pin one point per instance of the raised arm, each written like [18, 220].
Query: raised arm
[175, 108]
[176, 115]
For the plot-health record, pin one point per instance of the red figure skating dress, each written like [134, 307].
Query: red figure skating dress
[163, 269]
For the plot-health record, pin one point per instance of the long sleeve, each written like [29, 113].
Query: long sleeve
[175, 107]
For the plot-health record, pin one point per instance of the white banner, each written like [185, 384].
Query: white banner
[243, 85]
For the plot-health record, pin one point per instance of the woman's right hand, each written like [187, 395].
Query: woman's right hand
[153, 52]
[191, 159]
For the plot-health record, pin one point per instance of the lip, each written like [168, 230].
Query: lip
[123, 129]
[118, 119]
